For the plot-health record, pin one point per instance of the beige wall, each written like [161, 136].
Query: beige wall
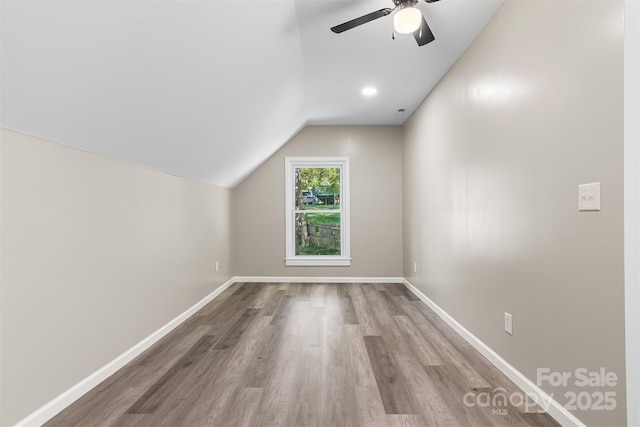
[96, 255]
[532, 109]
[375, 163]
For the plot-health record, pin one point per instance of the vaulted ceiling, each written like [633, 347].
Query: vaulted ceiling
[210, 89]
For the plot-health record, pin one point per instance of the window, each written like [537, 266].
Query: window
[317, 211]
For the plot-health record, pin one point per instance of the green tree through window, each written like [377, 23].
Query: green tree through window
[317, 211]
[318, 233]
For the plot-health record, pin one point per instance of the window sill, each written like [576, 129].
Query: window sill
[317, 261]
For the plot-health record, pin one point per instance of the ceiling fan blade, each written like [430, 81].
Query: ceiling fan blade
[362, 20]
[423, 34]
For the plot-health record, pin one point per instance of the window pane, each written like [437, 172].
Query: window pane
[318, 234]
[317, 188]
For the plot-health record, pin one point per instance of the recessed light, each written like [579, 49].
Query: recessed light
[369, 91]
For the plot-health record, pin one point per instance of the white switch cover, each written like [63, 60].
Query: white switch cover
[589, 197]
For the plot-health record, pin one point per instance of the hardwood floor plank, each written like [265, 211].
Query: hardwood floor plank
[305, 291]
[312, 329]
[296, 319]
[394, 392]
[259, 368]
[231, 338]
[110, 408]
[411, 310]
[349, 316]
[391, 305]
[482, 415]
[333, 313]
[370, 407]
[282, 310]
[300, 354]
[167, 385]
[426, 351]
[244, 352]
[332, 339]
[212, 392]
[254, 290]
[436, 406]
[203, 396]
[167, 351]
[465, 372]
[452, 399]
[242, 408]
[363, 312]
[405, 420]
[239, 290]
[129, 420]
[407, 293]
[316, 296]
[294, 289]
[113, 409]
[221, 319]
[304, 409]
[356, 358]
[381, 314]
[394, 289]
[539, 419]
[278, 391]
[338, 398]
[378, 286]
[265, 294]
[271, 306]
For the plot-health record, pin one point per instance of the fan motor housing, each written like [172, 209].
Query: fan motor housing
[405, 3]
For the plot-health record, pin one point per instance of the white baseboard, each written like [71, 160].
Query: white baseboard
[286, 279]
[554, 409]
[55, 406]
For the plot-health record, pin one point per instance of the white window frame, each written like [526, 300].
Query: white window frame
[291, 259]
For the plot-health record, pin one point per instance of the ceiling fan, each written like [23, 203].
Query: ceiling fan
[408, 19]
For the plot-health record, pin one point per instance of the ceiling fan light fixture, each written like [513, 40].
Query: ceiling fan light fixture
[407, 20]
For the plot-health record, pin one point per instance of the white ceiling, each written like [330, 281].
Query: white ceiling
[210, 89]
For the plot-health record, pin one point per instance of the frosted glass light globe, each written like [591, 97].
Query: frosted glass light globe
[407, 20]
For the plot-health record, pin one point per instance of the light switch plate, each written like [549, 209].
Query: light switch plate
[508, 323]
[589, 197]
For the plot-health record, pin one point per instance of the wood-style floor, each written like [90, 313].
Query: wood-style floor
[306, 355]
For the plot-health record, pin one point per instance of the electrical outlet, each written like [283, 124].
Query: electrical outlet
[508, 323]
[217, 266]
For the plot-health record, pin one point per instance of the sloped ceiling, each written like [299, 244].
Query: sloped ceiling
[210, 89]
